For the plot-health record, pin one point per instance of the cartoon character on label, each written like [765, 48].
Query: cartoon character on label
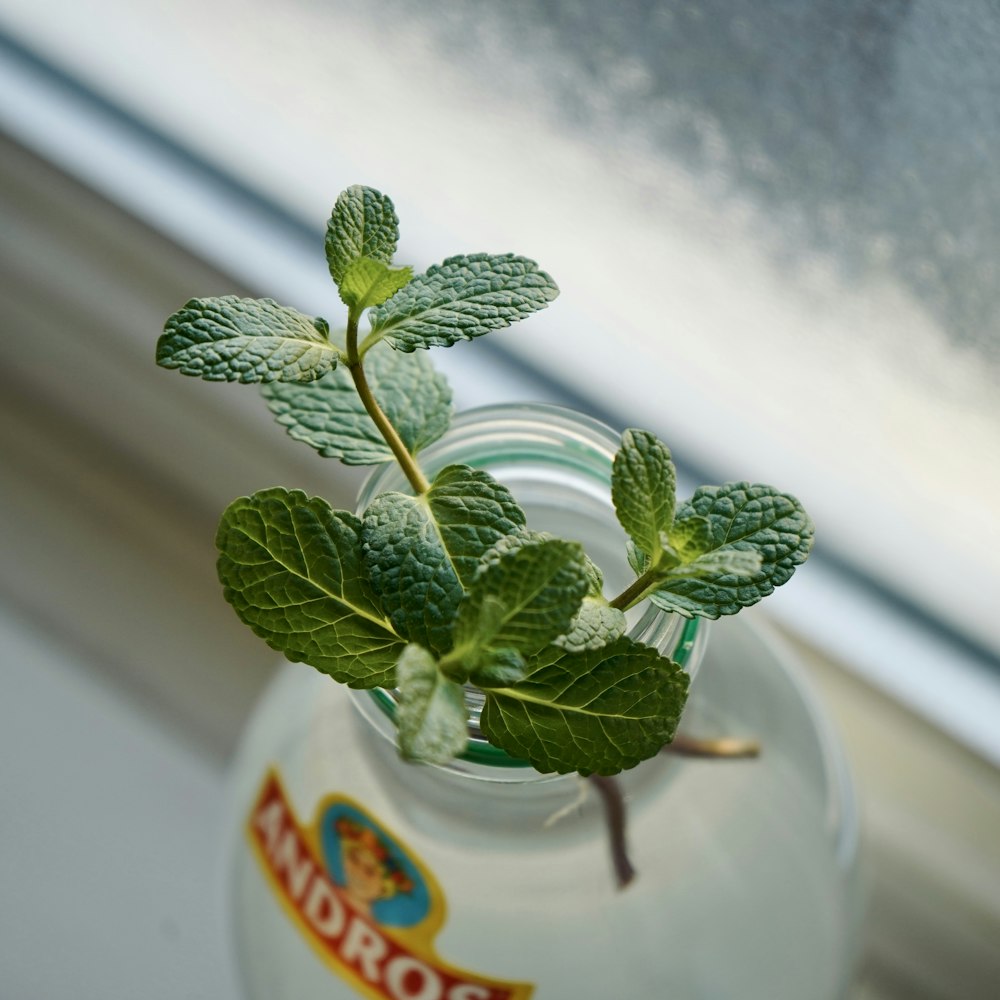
[376, 877]
[369, 871]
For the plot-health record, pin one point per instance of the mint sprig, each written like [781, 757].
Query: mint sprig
[723, 550]
[755, 539]
[445, 588]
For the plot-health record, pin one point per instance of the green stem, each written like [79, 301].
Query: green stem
[399, 450]
[635, 591]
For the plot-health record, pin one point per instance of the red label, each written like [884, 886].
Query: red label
[361, 899]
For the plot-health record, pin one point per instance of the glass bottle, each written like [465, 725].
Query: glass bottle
[353, 873]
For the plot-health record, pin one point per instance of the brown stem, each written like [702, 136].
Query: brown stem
[614, 815]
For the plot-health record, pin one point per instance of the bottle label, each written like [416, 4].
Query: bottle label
[362, 899]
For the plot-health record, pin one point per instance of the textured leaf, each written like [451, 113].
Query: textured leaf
[431, 717]
[524, 599]
[229, 339]
[637, 559]
[328, 414]
[291, 568]
[363, 224]
[462, 298]
[594, 625]
[599, 711]
[595, 578]
[498, 668]
[755, 518]
[739, 562]
[369, 282]
[690, 537]
[643, 489]
[421, 552]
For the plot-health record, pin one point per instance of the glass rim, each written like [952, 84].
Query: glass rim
[557, 421]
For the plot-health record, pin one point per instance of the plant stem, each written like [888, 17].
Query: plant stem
[724, 746]
[635, 591]
[399, 450]
[614, 815]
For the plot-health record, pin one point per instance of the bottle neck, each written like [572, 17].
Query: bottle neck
[557, 463]
[508, 800]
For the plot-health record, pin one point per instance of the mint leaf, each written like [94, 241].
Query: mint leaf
[524, 599]
[742, 517]
[690, 537]
[229, 339]
[498, 668]
[599, 711]
[290, 566]
[462, 298]
[643, 489]
[637, 559]
[595, 579]
[721, 562]
[421, 552]
[369, 282]
[329, 416]
[431, 717]
[363, 224]
[594, 625]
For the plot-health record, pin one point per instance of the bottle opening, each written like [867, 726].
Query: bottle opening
[557, 463]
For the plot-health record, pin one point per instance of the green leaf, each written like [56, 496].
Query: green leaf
[599, 711]
[329, 416]
[369, 282]
[595, 579]
[363, 224]
[595, 624]
[637, 559]
[691, 537]
[229, 339]
[291, 568]
[721, 562]
[524, 599]
[431, 717]
[742, 517]
[497, 668]
[421, 552]
[462, 298]
[643, 489]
